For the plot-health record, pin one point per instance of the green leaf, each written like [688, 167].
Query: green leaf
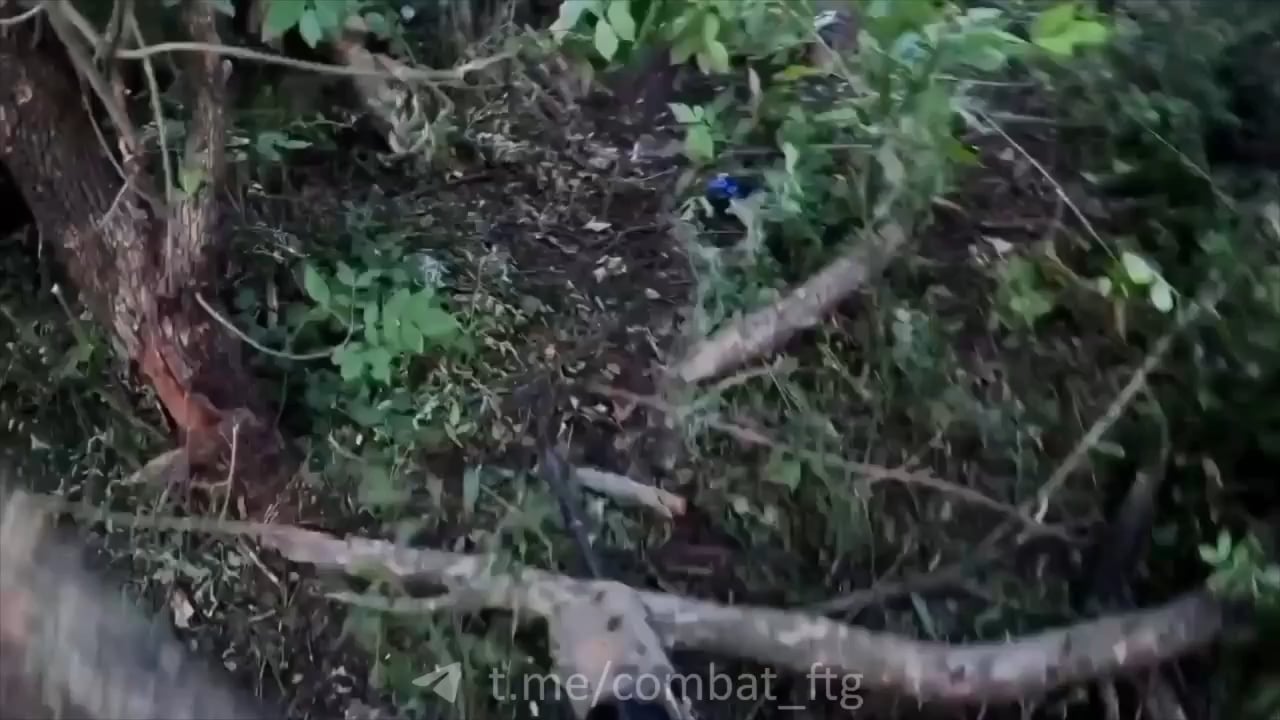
[316, 286]
[379, 361]
[784, 470]
[606, 40]
[190, 177]
[570, 12]
[346, 275]
[1162, 296]
[433, 321]
[685, 47]
[350, 361]
[790, 157]
[838, 115]
[682, 113]
[282, 16]
[329, 15]
[393, 312]
[710, 28]
[718, 56]
[699, 144]
[619, 15]
[1053, 21]
[1137, 268]
[309, 28]
[1059, 30]
[378, 487]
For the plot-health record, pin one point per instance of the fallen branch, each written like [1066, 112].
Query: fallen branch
[623, 488]
[803, 307]
[802, 643]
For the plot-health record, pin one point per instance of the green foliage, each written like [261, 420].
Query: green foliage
[1022, 295]
[1241, 570]
[388, 323]
[315, 20]
[1062, 28]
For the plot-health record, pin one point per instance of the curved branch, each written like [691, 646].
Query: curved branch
[982, 672]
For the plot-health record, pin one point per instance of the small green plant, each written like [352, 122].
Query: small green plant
[320, 20]
[388, 324]
[1022, 296]
[1241, 570]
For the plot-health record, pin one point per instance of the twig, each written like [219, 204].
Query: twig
[428, 74]
[1057, 187]
[870, 471]
[117, 25]
[22, 17]
[153, 88]
[224, 322]
[853, 603]
[62, 15]
[1117, 407]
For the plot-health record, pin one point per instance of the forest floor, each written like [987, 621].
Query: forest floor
[859, 471]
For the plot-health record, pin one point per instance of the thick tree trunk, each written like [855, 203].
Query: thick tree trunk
[139, 265]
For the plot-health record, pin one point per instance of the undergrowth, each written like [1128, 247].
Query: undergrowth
[1082, 190]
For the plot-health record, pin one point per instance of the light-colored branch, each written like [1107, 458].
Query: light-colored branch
[62, 18]
[1009, 670]
[1136, 383]
[803, 307]
[230, 326]
[442, 76]
[153, 89]
[981, 672]
[624, 489]
[28, 14]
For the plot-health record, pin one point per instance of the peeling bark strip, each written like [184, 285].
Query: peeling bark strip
[137, 263]
[982, 672]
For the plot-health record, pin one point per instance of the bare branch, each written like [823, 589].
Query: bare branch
[456, 74]
[23, 16]
[1010, 670]
[623, 488]
[803, 307]
[979, 672]
[61, 15]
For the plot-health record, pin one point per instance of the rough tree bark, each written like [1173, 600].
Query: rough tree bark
[138, 262]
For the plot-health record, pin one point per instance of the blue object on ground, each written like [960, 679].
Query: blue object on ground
[725, 187]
